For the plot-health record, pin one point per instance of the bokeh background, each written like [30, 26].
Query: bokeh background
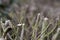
[30, 19]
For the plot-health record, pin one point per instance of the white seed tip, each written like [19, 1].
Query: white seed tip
[23, 24]
[57, 18]
[58, 29]
[38, 14]
[2, 39]
[19, 24]
[45, 18]
[7, 21]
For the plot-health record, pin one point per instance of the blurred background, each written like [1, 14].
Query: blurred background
[30, 19]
